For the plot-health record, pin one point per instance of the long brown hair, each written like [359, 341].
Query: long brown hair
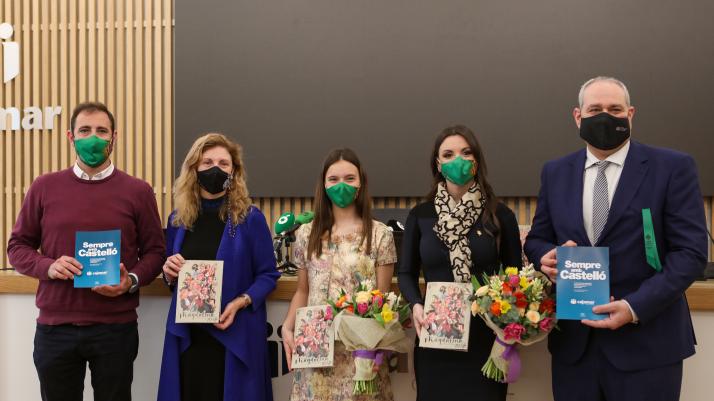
[490, 222]
[187, 193]
[324, 219]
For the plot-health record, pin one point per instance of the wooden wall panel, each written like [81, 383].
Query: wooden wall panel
[523, 207]
[115, 51]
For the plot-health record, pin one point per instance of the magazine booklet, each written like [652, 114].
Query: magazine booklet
[99, 252]
[198, 291]
[447, 316]
[314, 338]
[583, 282]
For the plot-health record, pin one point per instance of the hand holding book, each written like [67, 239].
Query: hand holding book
[172, 267]
[549, 262]
[418, 315]
[64, 268]
[289, 344]
[115, 290]
[619, 314]
[229, 314]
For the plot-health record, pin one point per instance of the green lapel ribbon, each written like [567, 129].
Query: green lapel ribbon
[650, 242]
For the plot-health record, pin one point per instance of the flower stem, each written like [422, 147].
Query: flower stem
[491, 371]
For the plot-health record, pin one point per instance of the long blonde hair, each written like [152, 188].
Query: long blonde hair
[187, 195]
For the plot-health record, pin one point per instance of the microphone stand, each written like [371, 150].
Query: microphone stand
[287, 237]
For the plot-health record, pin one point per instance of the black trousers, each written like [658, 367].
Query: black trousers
[202, 368]
[62, 352]
[594, 378]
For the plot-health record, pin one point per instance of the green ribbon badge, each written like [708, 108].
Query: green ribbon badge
[650, 242]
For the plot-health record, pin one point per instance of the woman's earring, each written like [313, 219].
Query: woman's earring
[227, 182]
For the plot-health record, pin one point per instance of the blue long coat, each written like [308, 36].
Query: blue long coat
[248, 267]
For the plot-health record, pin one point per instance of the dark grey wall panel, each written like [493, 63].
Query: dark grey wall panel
[291, 79]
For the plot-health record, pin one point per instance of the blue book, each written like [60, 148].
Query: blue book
[583, 281]
[99, 253]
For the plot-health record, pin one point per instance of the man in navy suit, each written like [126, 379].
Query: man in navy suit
[602, 196]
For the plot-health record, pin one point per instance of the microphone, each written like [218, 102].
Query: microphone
[285, 228]
[285, 222]
[305, 217]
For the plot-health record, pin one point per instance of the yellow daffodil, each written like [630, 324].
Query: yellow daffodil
[505, 306]
[387, 314]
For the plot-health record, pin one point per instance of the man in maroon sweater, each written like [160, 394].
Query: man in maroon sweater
[77, 326]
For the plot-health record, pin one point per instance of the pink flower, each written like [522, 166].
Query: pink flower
[377, 300]
[514, 281]
[546, 324]
[328, 313]
[514, 331]
[362, 308]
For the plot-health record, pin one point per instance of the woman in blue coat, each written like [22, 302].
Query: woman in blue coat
[214, 220]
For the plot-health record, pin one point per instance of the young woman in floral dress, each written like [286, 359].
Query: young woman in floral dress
[332, 254]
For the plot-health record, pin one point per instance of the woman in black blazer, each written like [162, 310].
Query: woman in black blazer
[460, 230]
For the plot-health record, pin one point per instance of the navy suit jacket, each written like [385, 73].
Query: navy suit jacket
[666, 182]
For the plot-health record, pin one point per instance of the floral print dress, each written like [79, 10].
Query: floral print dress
[342, 265]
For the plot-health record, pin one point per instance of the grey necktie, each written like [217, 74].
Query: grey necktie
[601, 201]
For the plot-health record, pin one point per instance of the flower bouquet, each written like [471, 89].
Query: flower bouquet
[369, 324]
[519, 306]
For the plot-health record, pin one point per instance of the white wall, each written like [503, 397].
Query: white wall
[18, 380]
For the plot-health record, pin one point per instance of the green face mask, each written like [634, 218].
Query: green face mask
[92, 150]
[459, 171]
[342, 194]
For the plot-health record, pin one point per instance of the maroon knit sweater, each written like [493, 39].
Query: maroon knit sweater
[59, 204]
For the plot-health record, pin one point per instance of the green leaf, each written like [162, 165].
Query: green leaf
[379, 319]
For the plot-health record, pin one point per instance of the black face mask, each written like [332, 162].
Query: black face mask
[605, 131]
[214, 180]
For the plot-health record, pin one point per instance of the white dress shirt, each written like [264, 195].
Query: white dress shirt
[100, 175]
[612, 173]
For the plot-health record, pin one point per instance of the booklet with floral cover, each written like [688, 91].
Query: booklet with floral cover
[198, 292]
[314, 338]
[447, 316]
[99, 252]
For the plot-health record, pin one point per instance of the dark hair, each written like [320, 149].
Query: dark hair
[490, 222]
[322, 224]
[90, 107]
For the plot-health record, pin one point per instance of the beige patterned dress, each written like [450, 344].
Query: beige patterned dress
[340, 266]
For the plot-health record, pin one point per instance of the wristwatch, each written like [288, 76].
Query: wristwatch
[247, 298]
[134, 283]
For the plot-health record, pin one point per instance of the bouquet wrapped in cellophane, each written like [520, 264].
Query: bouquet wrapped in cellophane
[519, 306]
[369, 324]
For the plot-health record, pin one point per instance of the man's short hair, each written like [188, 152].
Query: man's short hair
[90, 107]
[603, 78]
